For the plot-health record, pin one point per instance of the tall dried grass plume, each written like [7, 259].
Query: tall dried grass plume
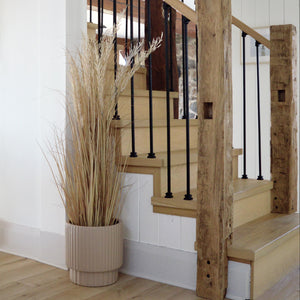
[87, 173]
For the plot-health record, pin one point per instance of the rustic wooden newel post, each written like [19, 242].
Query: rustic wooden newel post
[215, 193]
[283, 69]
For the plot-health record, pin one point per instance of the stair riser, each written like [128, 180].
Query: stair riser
[178, 178]
[251, 208]
[270, 268]
[141, 108]
[178, 135]
[139, 80]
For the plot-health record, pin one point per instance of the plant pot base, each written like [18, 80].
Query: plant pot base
[93, 278]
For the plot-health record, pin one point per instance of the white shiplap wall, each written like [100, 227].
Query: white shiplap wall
[142, 225]
[258, 13]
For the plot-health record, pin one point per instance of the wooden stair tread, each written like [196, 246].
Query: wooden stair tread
[256, 238]
[145, 93]
[248, 187]
[178, 157]
[156, 123]
[241, 189]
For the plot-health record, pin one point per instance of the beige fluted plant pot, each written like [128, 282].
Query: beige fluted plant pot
[94, 254]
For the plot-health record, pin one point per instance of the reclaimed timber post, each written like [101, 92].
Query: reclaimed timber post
[283, 74]
[215, 192]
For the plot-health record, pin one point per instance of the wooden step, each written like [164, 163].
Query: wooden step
[271, 245]
[142, 164]
[140, 79]
[247, 194]
[252, 199]
[141, 104]
[178, 133]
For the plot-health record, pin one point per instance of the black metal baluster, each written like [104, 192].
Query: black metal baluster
[197, 45]
[259, 177]
[91, 17]
[183, 69]
[151, 154]
[171, 50]
[166, 16]
[116, 116]
[188, 195]
[244, 34]
[126, 29]
[139, 21]
[102, 19]
[133, 153]
[99, 21]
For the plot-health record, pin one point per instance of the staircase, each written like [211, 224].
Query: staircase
[268, 242]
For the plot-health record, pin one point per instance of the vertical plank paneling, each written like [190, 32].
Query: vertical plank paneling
[262, 13]
[187, 234]
[276, 12]
[130, 211]
[148, 220]
[283, 72]
[215, 194]
[169, 231]
[248, 12]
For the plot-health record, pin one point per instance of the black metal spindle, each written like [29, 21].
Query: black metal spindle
[99, 21]
[259, 177]
[183, 69]
[188, 195]
[171, 50]
[166, 17]
[151, 154]
[91, 10]
[116, 115]
[126, 29]
[133, 153]
[244, 176]
[102, 19]
[197, 45]
[139, 21]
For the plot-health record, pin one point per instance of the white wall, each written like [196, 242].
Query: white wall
[33, 37]
[258, 13]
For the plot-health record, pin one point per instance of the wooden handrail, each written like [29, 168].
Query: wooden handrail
[183, 9]
[258, 37]
[192, 16]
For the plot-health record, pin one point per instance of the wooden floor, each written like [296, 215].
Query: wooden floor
[22, 278]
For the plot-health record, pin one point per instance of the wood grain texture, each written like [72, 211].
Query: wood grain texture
[268, 270]
[252, 200]
[255, 239]
[28, 279]
[284, 151]
[258, 37]
[286, 288]
[215, 191]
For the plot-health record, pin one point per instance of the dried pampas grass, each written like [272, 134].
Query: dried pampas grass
[89, 177]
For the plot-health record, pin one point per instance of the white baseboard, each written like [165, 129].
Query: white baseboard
[161, 264]
[166, 265]
[42, 246]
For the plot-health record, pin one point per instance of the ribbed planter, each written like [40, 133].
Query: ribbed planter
[94, 254]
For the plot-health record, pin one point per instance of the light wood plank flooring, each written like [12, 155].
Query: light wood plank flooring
[22, 278]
